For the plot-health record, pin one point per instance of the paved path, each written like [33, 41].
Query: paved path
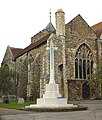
[94, 112]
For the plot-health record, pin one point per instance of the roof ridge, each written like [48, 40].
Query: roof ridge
[15, 48]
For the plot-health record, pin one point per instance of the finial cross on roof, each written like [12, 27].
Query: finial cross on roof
[50, 14]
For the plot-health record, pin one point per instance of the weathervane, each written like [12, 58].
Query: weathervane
[50, 14]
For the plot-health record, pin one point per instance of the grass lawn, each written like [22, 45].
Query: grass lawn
[15, 105]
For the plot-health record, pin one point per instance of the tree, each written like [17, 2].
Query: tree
[96, 79]
[6, 78]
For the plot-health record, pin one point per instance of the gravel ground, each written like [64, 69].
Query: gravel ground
[94, 112]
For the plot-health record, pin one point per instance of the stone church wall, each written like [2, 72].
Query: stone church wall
[39, 35]
[35, 58]
[8, 59]
[78, 33]
[22, 77]
[23, 80]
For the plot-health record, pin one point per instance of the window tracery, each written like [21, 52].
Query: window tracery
[83, 62]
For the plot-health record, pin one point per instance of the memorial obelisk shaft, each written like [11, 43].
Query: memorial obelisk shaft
[52, 75]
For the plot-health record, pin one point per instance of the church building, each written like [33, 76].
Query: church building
[79, 50]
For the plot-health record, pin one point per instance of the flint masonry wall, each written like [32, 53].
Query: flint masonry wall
[77, 33]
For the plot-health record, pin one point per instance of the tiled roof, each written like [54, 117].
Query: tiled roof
[97, 28]
[16, 51]
[33, 45]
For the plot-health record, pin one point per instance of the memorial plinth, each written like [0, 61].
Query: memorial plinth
[52, 97]
[51, 100]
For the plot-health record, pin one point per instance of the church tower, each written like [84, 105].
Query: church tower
[60, 31]
[60, 23]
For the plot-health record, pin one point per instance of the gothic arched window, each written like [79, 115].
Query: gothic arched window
[83, 62]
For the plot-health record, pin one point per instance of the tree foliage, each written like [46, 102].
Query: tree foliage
[96, 79]
[6, 79]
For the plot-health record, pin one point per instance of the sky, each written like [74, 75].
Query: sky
[22, 19]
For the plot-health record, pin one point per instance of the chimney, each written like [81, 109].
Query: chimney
[60, 23]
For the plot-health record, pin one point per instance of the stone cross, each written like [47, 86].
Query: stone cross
[52, 48]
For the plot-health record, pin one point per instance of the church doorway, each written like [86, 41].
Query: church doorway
[85, 91]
